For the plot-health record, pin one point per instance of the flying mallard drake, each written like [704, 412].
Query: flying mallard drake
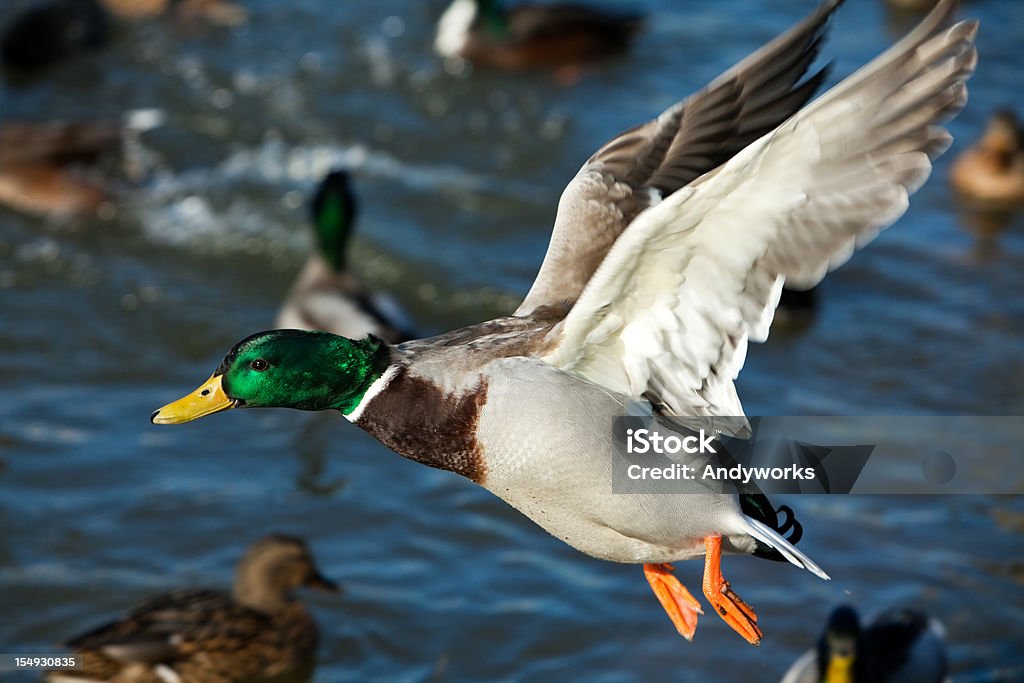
[327, 296]
[201, 636]
[668, 253]
[52, 167]
[901, 645]
[532, 36]
[992, 169]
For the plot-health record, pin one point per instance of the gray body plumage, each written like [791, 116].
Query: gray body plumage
[545, 442]
[550, 474]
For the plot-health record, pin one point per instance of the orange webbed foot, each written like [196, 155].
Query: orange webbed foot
[731, 607]
[682, 608]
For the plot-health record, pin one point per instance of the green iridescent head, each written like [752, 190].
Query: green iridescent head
[334, 212]
[285, 369]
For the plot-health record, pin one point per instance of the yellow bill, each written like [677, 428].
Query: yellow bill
[840, 669]
[206, 400]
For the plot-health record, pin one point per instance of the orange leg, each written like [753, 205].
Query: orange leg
[729, 606]
[681, 607]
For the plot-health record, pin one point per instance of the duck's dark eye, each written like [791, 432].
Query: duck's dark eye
[259, 365]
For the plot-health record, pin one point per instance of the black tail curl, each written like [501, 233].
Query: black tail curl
[758, 506]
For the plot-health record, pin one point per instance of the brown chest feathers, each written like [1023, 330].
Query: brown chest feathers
[419, 420]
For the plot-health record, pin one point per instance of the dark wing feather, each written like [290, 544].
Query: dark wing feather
[646, 163]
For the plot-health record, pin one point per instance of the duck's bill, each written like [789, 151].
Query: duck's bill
[840, 668]
[206, 400]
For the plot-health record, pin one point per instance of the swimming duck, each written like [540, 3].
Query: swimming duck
[992, 170]
[532, 36]
[668, 252]
[49, 168]
[48, 33]
[797, 308]
[326, 296]
[216, 12]
[205, 636]
[901, 645]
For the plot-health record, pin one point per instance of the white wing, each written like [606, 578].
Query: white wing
[668, 313]
[639, 167]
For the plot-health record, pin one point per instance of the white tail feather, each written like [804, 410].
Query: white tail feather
[771, 538]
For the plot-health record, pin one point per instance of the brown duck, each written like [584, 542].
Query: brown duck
[992, 169]
[258, 632]
[53, 168]
[55, 31]
[553, 36]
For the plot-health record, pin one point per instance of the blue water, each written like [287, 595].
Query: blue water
[103, 320]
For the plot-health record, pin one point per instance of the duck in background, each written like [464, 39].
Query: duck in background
[797, 308]
[214, 12]
[257, 631]
[326, 295]
[52, 32]
[991, 171]
[901, 645]
[669, 249]
[52, 168]
[563, 37]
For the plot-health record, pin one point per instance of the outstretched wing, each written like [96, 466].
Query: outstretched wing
[669, 311]
[651, 161]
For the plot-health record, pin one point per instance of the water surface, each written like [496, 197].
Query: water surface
[103, 320]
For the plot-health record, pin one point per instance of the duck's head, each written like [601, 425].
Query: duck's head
[285, 369]
[837, 648]
[272, 569]
[1003, 134]
[334, 212]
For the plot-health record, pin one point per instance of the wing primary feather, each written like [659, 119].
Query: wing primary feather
[789, 207]
[686, 141]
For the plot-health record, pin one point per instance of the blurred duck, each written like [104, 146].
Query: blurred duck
[204, 636]
[992, 170]
[532, 36]
[797, 308]
[901, 646]
[50, 168]
[216, 12]
[327, 296]
[55, 31]
[48, 33]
